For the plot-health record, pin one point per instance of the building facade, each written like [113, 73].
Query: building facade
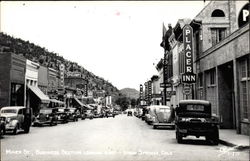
[222, 61]
[12, 79]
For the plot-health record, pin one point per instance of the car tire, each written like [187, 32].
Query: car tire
[178, 137]
[27, 130]
[216, 137]
[15, 131]
[154, 126]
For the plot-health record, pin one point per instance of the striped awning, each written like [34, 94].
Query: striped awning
[39, 94]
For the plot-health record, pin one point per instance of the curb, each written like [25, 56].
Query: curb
[238, 147]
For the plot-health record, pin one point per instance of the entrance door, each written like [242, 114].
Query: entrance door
[226, 95]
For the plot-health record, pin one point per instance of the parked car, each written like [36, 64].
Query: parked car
[72, 114]
[62, 116]
[149, 115]
[89, 114]
[130, 113]
[17, 118]
[162, 116]
[193, 117]
[110, 114]
[2, 126]
[46, 116]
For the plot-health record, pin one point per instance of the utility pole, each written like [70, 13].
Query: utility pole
[164, 77]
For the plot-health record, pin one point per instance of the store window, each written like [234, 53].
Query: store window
[218, 34]
[17, 94]
[212, 77]
[245, 86]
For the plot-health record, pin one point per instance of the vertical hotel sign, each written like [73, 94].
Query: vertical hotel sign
[61, 82]
[188, 76]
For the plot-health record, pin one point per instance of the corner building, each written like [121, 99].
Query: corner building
[222, 61]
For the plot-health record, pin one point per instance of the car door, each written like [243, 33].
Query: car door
[20, 116]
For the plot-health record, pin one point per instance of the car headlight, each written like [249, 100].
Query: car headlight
[8, 120]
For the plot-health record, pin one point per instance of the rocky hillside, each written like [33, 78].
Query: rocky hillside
[130, 92]
[50, 59]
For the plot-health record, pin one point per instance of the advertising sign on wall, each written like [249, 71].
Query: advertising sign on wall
[188, 76]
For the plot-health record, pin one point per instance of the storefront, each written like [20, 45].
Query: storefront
[35, 98]
[12, 80]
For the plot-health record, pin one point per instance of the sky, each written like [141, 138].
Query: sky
[116, 40]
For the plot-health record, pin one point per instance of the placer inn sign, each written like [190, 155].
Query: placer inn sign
[188, 76]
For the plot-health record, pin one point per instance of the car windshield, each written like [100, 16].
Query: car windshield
[164, 110]
[9, 111]
[46, 111]
[195, 108]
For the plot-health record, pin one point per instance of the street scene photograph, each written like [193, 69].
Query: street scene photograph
[124, 80]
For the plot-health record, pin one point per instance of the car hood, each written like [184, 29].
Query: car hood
[8, 115]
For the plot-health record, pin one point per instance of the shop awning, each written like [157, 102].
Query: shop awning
[79, 102]
[39, 94]
[56, 101]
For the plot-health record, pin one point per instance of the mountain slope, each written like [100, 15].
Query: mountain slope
[130, 92]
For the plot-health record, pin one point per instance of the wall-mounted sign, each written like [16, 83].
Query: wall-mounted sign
[165, 85]
[243, 16]
[74, 74]
[61, 70]
[188, 76]
[187, 90]
[141, 92]
[188, 48]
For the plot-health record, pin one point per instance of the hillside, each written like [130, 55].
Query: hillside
[130, 92]
[50, 59]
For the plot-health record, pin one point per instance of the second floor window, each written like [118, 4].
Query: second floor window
[217, 34]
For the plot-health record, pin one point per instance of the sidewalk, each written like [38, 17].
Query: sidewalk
[230, 138]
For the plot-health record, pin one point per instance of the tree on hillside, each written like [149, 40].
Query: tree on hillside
[133, 102]
[123, 102]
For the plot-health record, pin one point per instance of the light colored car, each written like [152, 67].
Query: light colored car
[162, 116]
[17, 118]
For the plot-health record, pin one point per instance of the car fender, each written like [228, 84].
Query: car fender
[14, 122]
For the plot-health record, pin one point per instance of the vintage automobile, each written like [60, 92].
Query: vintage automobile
[46, 116]
[162, 116]
[193, 117]
[62, 116]
[110, 114]
[72, 114]
[2, 126]
[17, 118]
[130, 113]
[89, 114]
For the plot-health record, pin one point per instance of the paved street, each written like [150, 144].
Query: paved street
[119, 138]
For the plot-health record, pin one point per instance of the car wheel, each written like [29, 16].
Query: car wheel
[15, 131]
[216, 137]
[178, 137]
[27, 129]
[154, 126]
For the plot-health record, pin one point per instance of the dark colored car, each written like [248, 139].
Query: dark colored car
[129, 113]
[193, 117]
[72, 114]
[2, 126]
[46, 116]
[62, 116]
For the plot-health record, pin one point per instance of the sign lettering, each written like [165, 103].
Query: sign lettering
[243, 17]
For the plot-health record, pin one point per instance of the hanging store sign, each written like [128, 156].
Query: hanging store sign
[141, 92]
[61, 81]
[188, 76]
